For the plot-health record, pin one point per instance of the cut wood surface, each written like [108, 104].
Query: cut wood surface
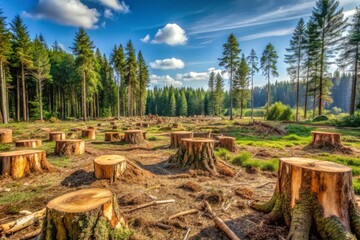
[69, 147]
[5, 135]
[134, 136]
[175, 137]
[325, 140]
[88, 133]
[20, 163]
[227, 143]
[53, 136]
[28, 143]
[109, 167]
[114, 136]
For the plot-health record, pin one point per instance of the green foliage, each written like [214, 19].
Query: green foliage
[223, 153]
[348, 121]
[257, 112]
[299, 130]
[320, 118]
[279, 112]
[356, 185]
[244, 159]
[241, 158]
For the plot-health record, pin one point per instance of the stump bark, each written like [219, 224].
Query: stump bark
[21, 163]
[175, 138]
[325, 140]
[227, 143]
[88, 133]
[134, 136]
[198, 153]
[202, 134]
[113, 136]
[109, 167]
[28, 143]
[5, 135]
[312, 194]
[54, 136]
[84, 214]
[70, 147]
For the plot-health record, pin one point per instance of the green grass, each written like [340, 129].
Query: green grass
[245, 159]
[60, 161]
[14, 198]
[223, 154]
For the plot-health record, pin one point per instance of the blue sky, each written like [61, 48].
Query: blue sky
[180, 40]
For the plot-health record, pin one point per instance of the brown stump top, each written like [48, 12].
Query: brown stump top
[81, 201]
[19, 153]
[70, 140]
[316, 165]
[325, 133]
[113, 133]
[56, 133]
[181, 132]
[133, 131]
[27, 140]
[5, 130]
[198, 140]
[109, 159]
[226, 137]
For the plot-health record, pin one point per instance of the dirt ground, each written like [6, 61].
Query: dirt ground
[229, 197]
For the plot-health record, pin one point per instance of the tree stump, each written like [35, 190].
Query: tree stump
[69, 147]
[227, 143]
[198, 153]
[202, 134]
[88, 133]
[92, 127]
[312, 194]
[115, 127]
[28, 143]
[21, 163]
[134, 136]
[175, 138]
[84, 214]
[54, 136]
[109, 167]
[325, 140]
[113, 136]
[145, 125]
[5, 135]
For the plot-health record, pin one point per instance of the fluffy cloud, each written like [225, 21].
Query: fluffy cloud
[172, 34]
[273, 33]
[108, 13]
[115, 5]
[167, 64]
[67, 12]
[199, 76]
[165, 80]
[145, 39]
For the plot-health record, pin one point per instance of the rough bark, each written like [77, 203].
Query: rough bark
[84, 214]
[5, 135]
[114, 136]
[28, 143]
[325, 140]
[69, 147]
[109, 167]
[175, 138]
[228, 143]
[317, 195]
[202, 134]
[54, 136]
[134, 136]
[21, 163]
[88, 133]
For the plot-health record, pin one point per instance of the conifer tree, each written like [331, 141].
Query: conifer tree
[131, 76]
[144, 80]
[253, 62]
[183, 104]
[211, 85]
[172, 105]
[117, 59]
[241, 83]
[219, 94]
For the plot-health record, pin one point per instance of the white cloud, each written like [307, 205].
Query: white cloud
[279, 32]
[164, 80]
[66, 12]
[172, 34]
[115, 5]
[145, 39]
[103, 24]
[350, 13]
[199, 76]
[167, 64]
[108, 13]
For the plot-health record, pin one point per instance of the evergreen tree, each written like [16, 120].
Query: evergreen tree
[295, 58]
[172, 105]
[253, 62]
[241, 83]
[144, 80]
[117, 59]
[211, 85]
[230, 60]
[219, 94]
[268, 66]
[183, 105]
[131, 76]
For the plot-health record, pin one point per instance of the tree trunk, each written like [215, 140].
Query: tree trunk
[54, 136]
[306, 92]
[109, 167]
[4, 102]
[268, 93]
[134, 136]
[317, 195]
[29, 143]
[17, 97]
[354, 83]
[69, 147]
[88, 133]
[228, 143]
[175, 138]
[113, 136]
[321, 72]
[5, 135]
[20, 163]
[23, 92]
[325, 140]
[84, 96]
[84, 214]
[40, 100]
[201, 134]
[231, 94]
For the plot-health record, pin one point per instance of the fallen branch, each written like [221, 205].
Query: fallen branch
[263, 185]
[187, 234]
[31, 235]
[187, 212]
[163, 226]
[153, 203]
[23, 222]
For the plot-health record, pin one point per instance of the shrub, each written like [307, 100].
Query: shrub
[349, 121]
[241, 158]
[223, 153]
[299, 130]
[320, 118]
[286, 114]
[257, 112]
[279, 111]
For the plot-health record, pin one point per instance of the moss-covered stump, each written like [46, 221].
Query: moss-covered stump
[28, 143]
[109, 167]
[5, 135]
[113, 136]
[54, 136]
[198, 153]
[134, 136]
[22, 163]
[175, 138]
[69, 147]
[88, 133]
[314, 195]
[227, 143]
[325, 140]
[202, 134]
[84, 214]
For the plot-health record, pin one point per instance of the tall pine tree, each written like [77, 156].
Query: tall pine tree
[144, 80]
[131, 77]
[253, 62]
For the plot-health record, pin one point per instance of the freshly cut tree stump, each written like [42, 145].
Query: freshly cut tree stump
[134, 136]
[198, 153]
[228, 143]
[88, 133]
[113, 136]
[28, 143]
[84, 214]
[5, 135]
[312, 194]
[145, 125]
[325, 140]
[115, 127]
[69, 147]
[175, 138]
[202, 134]
[109, 167]
[54, 136]
[21, 163]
